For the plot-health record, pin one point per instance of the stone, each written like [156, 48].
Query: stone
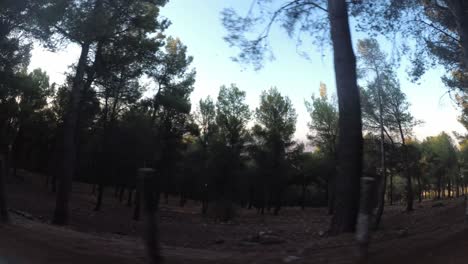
[290, 259]
[322, 233]
[402, 233]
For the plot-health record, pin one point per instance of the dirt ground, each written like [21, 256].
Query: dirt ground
[433, 233]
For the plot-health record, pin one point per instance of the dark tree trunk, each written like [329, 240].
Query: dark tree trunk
[449, 189]
[391, 190]
[147, 185]
[331, 189]
[458, 9]
[136, 211]
[381, 203]
[251, 197]
[205, 199]
[129, 199]
[383, 175]
[362, 228]
[69, 147]
[420, 191]
[303, 195]
[409, 185]
[166, 197]
[439, 186]
[4, 217]
[350, 128]
[99, 197]
[121, 193]
[278, 202]
[183, 199]
[54, 183]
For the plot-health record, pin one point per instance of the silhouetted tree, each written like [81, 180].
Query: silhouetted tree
[274, 129]
[324, 127]
[91, 24]
[232, 115]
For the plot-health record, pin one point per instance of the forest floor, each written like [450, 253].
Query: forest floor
[433, 233]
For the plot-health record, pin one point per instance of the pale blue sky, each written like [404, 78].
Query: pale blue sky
[197, 23]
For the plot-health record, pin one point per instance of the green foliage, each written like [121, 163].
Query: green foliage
[232, 115]
[205, 117]
[324, 123]
[396, 112]
[439, 162]
[276, 117]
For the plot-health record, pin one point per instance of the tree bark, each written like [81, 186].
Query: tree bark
[420, 191]
[99, 197]
[136, 211]
[129, 198]
[4, 217]
[449, 189]
[439, 186]
[303, 194]
[331, 189]
[409, 187]
[69, 148]
[147, 184]
[362, 228]
[350, 126]
[458, 9]
[383, 175]
[391, 190]
[121, 193]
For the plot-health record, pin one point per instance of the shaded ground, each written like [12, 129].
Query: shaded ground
[431, 234]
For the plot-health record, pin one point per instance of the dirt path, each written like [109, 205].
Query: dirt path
[452, 250]
[26, 242]
[111, 236]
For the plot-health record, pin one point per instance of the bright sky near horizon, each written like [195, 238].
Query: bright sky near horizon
[197, 23]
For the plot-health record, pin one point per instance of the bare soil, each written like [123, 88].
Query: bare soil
[433, 233]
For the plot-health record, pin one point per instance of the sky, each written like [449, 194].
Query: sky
[198, 25]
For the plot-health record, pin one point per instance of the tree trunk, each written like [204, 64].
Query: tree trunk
[205, 199]
[439, 186]
[303, 195]
[278, 201]
[383, 175]
[350, 126]
[99, 197]
[458, 10]
[121, 193]
[147, 184]
[449, 189]
[69, 147]
[331, 189]
[409, 187]
[420, 196]
[391, 190]
[251, 197]
[4, 217]
[136, 212]
[129, 199]
[362, 228]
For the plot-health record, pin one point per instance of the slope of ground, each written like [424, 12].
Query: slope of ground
[110, 236]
